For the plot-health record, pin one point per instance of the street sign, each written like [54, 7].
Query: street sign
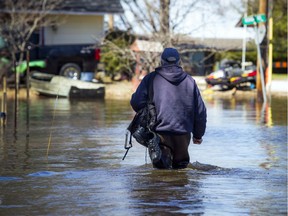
[250, 20]
[260, 18]
[260, 31]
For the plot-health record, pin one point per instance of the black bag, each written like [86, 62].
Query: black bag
[144, 122]
[138, 127]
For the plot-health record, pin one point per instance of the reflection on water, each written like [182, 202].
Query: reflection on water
[242, 169]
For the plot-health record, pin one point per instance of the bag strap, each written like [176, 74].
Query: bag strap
[150, 88]
[151, 110]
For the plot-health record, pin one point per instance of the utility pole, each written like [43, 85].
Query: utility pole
[263, 48]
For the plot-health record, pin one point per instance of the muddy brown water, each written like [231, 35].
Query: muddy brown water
[240, 169]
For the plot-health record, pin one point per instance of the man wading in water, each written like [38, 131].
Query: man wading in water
[180, 111]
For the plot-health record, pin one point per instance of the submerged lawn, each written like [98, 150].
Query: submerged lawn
[279, 76]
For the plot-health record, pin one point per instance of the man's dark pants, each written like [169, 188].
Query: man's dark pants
[174, 151]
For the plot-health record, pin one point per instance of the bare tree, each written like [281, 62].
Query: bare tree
[163, 20]
[18, 20]
[160, 20]
[157, 21]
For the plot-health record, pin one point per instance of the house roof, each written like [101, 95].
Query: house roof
[81, 7]
[220, 43]
[196, 43]
[212, 43]
[91, 6]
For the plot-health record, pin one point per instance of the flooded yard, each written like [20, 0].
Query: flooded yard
[73, 165]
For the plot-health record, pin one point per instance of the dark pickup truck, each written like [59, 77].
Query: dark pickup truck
[67, 60]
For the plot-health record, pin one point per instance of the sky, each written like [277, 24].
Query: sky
[214, 25]
[206, 22]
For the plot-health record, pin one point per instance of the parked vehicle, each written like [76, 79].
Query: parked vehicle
[68, 60]
[54, 85]
[232, 76]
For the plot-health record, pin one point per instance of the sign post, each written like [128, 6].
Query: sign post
[254, 20]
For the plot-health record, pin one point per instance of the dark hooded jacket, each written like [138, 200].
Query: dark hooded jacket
[180, 108]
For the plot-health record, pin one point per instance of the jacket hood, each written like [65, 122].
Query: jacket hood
[172, 73]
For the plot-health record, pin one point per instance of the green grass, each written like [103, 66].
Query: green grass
[279, 76]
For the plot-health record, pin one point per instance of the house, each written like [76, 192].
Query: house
[198, 54]
[82, 21]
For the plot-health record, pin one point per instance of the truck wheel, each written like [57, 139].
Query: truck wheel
[70, 70]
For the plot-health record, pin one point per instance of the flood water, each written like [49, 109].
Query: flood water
[241, 165]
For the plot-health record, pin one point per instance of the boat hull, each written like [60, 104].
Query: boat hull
[51, 85]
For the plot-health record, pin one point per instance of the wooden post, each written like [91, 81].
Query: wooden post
[111, 22]
[262, 10]
[4, 100]
[27, 73]
[16, 92]
[260, 71]
[27, 92]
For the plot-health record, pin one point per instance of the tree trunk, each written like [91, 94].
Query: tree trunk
[165, 19]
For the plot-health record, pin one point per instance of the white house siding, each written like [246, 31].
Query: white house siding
[76, 29]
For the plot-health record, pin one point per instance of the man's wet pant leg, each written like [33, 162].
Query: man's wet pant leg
[175, 147]
[166, 158]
